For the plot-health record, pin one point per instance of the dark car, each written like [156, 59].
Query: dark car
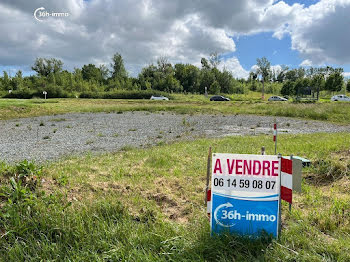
[219, 98]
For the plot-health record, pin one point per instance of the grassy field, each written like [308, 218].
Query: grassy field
[147, 205]
[182, 104]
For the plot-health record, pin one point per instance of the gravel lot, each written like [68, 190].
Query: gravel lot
[51, 137]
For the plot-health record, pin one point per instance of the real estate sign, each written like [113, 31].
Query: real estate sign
[245, 194]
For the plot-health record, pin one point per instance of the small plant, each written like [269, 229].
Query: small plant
[159, 136]
[288, 124]
[29, 127]
[68, 126]
[46, 137]
[160, 143]
[115, 135]
[89, 142]
[18, 124]
[132, 129]
[100, 135]
[127, 148]
[185, 122]
[15, 192]
[42, 123]
[54, 131]
[62, 180]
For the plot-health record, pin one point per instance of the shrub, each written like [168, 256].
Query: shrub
[53, 91]
[25, 93]
[124, 94]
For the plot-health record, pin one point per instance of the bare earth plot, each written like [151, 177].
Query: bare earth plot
[51, 137]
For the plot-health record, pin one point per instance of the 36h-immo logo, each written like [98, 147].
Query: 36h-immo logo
[40, 14]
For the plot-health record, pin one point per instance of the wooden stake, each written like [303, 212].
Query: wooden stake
[208, 176]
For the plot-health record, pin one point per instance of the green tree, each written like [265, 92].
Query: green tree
[44, 66]
[317, 82]
[207, 79]
[104, 71]
[291, 75]
[288, 88]
[205, 63]
[6, 81]
[334, 82]
[214, 88]
[91, 73]
[264, 69]
[17, 81]
[348, 85]
[51, 78]
[225, 81]
[118, 69]
[188, 76]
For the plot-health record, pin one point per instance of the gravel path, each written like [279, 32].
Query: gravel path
[50, 137]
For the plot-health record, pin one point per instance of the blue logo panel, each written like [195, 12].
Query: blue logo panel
[244, 216]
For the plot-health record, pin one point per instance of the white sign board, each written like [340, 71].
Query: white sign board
[245, 194]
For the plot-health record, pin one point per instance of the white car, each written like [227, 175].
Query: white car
[277, 98]
[159, 98]
[340, 98]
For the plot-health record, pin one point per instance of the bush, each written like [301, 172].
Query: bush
[21, 94]
[53, 91]
[124, 94]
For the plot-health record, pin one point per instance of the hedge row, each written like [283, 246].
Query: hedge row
[26, 93]
[124, 94]
[59, 93]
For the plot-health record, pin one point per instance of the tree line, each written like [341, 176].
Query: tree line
[163, 76]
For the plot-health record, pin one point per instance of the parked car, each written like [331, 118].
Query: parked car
[277, 98]
[219, 98]
[340, 98]
[159, 98]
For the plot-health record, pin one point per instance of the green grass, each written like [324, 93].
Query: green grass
[182, 104]
[147, 205]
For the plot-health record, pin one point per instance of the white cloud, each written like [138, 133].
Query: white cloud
[320, 33]
[141, 31]
[184, 31]
[233, 65]
[306, 62]
[346, 74]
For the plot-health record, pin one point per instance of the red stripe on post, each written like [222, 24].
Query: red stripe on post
[208, 202]
[286, 194]
[274, 138]
[287, 165]
[275, 126]
[209, 195]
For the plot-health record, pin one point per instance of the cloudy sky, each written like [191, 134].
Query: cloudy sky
[289, 32]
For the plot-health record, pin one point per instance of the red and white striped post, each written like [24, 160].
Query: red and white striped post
[287, 180]
[275, 136]
[209, 202]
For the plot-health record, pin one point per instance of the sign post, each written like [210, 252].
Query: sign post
[245, 193]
